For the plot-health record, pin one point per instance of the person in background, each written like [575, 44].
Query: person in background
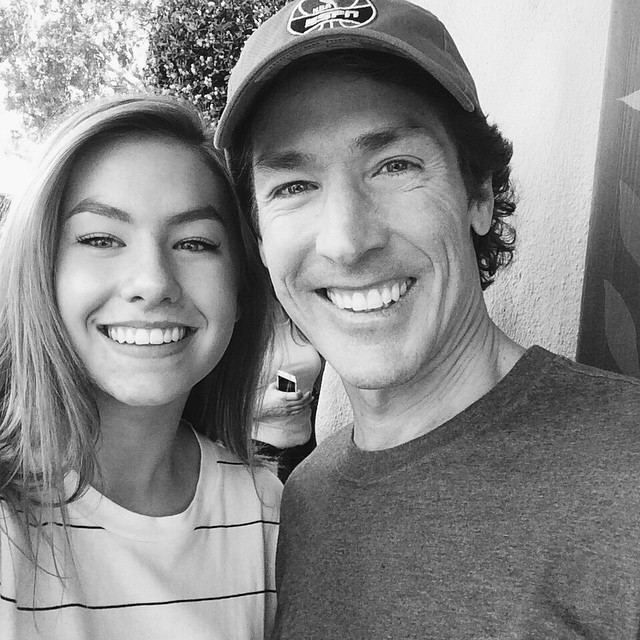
[132, 327]
[484, 490]
[290, 379]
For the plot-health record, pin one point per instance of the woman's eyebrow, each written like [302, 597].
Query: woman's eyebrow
[89, 205]
[207, 212]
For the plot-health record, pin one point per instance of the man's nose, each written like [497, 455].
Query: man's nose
[151, 277]
[351, 224]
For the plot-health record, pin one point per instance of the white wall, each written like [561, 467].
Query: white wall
[539, 68]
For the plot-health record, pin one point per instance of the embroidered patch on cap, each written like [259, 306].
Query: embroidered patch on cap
[313, 15]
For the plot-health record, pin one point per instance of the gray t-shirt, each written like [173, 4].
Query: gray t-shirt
[519, 518]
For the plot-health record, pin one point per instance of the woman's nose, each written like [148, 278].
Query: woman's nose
[151, 278]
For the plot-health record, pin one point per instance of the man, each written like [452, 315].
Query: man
[483, 491]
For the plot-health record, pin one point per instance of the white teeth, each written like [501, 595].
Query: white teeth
[133, 335]
[336, 298]
[143, 336]
[374, 299]
[370, 299]
[359, 301]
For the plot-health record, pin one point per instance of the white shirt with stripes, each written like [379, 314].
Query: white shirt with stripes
[207, 572]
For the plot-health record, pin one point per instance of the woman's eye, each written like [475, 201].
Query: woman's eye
[197, 244]
[100, 241]
[293, 189]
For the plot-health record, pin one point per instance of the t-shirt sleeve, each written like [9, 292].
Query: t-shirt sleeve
[269, 490]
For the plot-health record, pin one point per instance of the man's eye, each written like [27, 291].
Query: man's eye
[293, 189]
[396, 166]
[100, 241]
[196, 245]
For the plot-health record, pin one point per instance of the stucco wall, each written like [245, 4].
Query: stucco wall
[539, 67]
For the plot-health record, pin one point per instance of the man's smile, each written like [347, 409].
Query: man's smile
[371, 298]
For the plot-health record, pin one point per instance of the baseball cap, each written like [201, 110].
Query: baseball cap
[303, 27]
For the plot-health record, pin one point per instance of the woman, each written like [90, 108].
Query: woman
[131, 333]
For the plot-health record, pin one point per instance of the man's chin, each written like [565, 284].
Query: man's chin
[374, 377]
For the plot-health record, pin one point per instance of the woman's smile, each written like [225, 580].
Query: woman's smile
[145, 269]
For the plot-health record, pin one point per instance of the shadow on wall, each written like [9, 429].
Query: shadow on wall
[610, 313]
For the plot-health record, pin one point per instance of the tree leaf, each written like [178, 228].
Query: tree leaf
[185, 31]
[59, 58]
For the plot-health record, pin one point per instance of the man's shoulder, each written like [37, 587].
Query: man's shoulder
[560, 379]
[320, 462]
[573, 367]
[570, 419]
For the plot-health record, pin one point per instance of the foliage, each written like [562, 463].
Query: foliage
[59, 53]
[194, 44]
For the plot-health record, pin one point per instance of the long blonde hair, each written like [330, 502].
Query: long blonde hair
[49, 423]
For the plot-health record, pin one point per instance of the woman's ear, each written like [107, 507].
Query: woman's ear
[481, 209]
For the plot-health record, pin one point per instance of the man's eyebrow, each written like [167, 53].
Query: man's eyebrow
[378, 140]
[370, 141]
[90, 205]
[281, 160]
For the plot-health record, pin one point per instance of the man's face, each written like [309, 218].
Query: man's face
[365, 225]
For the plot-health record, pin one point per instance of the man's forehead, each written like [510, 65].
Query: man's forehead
[278, 156]
[297, 123]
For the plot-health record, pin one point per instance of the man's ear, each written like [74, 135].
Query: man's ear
[481, 209]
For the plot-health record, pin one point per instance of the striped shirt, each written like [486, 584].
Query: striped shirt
[204, 573]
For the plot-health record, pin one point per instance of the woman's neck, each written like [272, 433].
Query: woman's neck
[148, 460]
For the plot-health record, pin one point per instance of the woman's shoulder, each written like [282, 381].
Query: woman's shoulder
[236, 475]
[13, 546]
[215, 453]
[11, 522]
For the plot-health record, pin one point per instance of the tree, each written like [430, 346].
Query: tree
[193, 45]
[59, 53]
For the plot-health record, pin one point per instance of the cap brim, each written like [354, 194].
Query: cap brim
[341, 38]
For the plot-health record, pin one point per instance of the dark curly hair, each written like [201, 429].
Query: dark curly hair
[482, 150]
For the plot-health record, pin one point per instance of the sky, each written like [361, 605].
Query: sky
[14, 168]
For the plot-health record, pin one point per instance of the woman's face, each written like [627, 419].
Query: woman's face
[146, 280]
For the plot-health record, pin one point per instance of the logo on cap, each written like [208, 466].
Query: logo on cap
[313, 15]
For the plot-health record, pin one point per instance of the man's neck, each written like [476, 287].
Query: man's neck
[385, 418]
